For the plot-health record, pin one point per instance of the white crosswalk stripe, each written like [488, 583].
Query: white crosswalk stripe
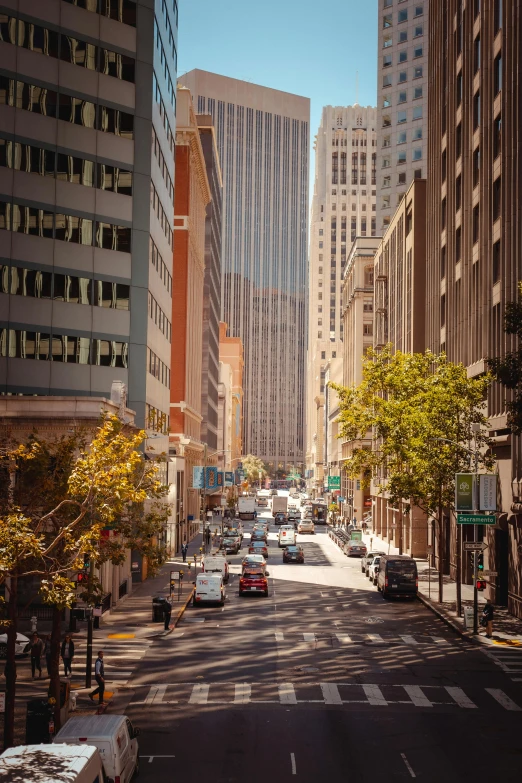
[509, 659]
[121, 657]
[361, 638]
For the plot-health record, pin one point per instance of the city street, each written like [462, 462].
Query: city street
[321, 679]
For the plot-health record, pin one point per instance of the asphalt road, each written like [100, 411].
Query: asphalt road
[322, 680]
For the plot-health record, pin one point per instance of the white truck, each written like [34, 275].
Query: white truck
[246, 508]
[279, 504]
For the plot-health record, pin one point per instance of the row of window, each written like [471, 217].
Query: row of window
[156, 420]
[69, 168]
[65, 47]
[162, 163]
[387, 60]
[156, 91]
[402, 137]
[402, 96]
[402, 16]
[402, 116]
[168, 28]
[120, 10]
[41, 100]
[163, 61]
[159, 318]
[159, 264]
[401, 178]
[387, 40]
[67, 228]
[160, 213]
[19, 281]
[416, 154]
[158, 369]
[23, 344]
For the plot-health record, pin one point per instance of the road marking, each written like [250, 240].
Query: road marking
[331, 693]
[458, 695]
[343, 638]
[279, 637]
[504, 700]
[156, 694]
[287, 693]
[242, 693]
[199, 694]
[417, 696]
[409, 640]
[292, 761]
[309, 637]
[408, 765]
[375, 637]
[374, 695]
[440, 640]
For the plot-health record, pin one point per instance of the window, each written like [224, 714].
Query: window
[458, 244]
[476, 167]
[417, 93]
[368, 330]
[443, 213]
[386, 101]
[120, 10]
[497, 197]
[401, 158]
[417, 174]
[29, 282]
[403, 97]
[476, 54]
[323, 354]
[402, 16]
[403, 77]
[443, 262]
[403, 56]
[385, 202]
[403, 36]
[458, 192]
[387, 41]
[321, 232]
[417, 154]
[476, 223]
[401, 179]
[497, 136]
[443, 310]
[476, 110]
[387, 21]
[401, 117]
[402, 137]
[386, 80]
[386, 141]
[386, 120]
[458, 88]
[417, 112]
[386, 182]
[386, 60]
[458, 141]
[417, 72]
[418, 30]
[418, 51]
[417, 133]
[497, 15]
[385, 163]
[112, 237]
[496, 262]
[497, 74]
[476, 8]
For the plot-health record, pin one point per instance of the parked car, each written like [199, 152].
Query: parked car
[254, 580]
[293, 554]
[355, 548]
[20, 644]
[366, 560]
[306, 526]
[373, 569]
[397, 576]
[56, 763]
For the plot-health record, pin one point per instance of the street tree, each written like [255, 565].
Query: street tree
[422, 411]
[507, 369]
[254, 468]
[65, 492]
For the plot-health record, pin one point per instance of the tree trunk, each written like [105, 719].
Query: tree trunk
[10, 664]
[54, 685]
[441, 554]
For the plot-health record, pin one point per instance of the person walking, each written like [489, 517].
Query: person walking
[47, 652]
[487, 618]
[99, 676]
[167, 611]
[184, 550]
[36, 648]
[67, 654]
[207, 535]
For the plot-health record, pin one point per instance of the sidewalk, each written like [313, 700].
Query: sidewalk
[507, 629]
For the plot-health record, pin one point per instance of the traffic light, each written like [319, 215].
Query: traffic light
[82, 577]
[481, 584]
[86, 561]
[480, 563]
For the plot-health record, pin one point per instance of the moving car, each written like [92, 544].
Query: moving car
[357, 548]
[210, 589]
[368, 557]
[280, 518]
[258, 534]
[286, 536]
[253, 580]
[231, 545]
[306, 526]
[294, 517]
[261, 525]
[397, 576]
[52, 764]
[216, 564]
[293, 554]
[115, 738]
[258, 548]
[307, 513]
[20, 644]
[373, 569]
[253, 560]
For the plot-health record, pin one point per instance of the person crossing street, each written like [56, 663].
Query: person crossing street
[184, 550]
[99, 675]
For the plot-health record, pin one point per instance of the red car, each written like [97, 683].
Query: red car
[258, 548]
[253, 581]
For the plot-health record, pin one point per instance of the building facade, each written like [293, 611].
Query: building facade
[87, 128]
[212, 285]
[402, 101]
[263, 147]
[343, 207]
[231, 355]
[192, 196]
[475, 232]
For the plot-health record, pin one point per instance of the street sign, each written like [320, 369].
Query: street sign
[476, 519]
[464, 491]
[468, 616]
[174, 576]
[334, 482]
[340, 499]
[489, 573]
[429, 549]
[488, 492]
[229, 478]
[474, 546]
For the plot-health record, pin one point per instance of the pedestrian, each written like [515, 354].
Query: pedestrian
[167, 611]
[207, 535]
[47, 652]
[184, 549]
[99, 676]
[67, 654]
[226, 515]
[487, 618]
[37, 648]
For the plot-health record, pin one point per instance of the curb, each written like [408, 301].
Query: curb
[448, 620]
[181, 611]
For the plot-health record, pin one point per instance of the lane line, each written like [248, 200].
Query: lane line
[309, 637]
[331, 693]
[292, 761]
[199, 694]
[409, 640]
[287, 693]
[504, 700]
[343, 638]
[242, 693]
[279, 637]
[440, 640]
[375, 637]
[458, 695]
[374, 695]
[408, 765]
[417, 696]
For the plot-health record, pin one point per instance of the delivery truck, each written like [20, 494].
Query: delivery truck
[246, 508]
[279, 504]
[319, 513]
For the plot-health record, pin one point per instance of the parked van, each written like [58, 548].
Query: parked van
[115, 738]
[397, 576]
[286, 535]
[209, 589]
[213, 564]
[51, 764]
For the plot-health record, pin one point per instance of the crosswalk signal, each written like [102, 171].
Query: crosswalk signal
[481, 584]
[82, 577]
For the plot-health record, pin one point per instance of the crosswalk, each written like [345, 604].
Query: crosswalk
[290, 694]
[121, 657]
[509, 659]
[363, 638]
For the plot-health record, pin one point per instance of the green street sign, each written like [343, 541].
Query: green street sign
[464, 491]
[334, 482]
[476, 519]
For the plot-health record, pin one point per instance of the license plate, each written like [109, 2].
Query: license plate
[253, 588]
[394, 587]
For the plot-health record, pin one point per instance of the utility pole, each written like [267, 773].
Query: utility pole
[476, 504]
[90, 619]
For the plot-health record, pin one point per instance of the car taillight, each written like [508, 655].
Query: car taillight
[417, 582]
[117, 779]
[386, 582]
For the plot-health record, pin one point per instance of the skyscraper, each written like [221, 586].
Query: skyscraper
[86, 206]
[343, 207]
[402, 101]
[263, 147]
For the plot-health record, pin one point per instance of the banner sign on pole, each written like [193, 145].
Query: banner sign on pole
[229, 478]
[488, 492]
[464, 492]
[334, 482]
[220, 478]
[211, 478]
[198, 477]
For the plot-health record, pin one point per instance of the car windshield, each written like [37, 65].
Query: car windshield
[254, 574]
[229, 541]
[292, 549]
[258, 544]
[401, 568]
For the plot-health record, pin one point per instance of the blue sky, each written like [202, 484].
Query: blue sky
[302, 46]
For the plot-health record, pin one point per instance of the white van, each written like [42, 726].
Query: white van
[216, 564]
[52, 764]
[209, 589]
[115, 738]
[286, 535]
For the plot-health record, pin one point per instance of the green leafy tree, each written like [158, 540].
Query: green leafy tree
[65, 492]
[253, 467]
[507, 369]
[422, 412]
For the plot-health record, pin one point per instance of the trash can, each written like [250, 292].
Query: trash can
[39, 714]
[157, 609]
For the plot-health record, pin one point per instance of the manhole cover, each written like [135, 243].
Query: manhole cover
[373, 620]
